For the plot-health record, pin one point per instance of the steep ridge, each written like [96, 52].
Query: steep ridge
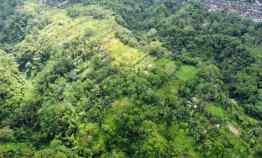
[63, 30]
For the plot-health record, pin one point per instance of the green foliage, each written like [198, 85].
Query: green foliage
[186, 72]
[216, 111]
[11, 89]
[12, 22]
[56, 150]
[256, 51]
[181, 143]
[57, 120]
[15, 150]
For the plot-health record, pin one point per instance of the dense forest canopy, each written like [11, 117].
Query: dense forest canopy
[128, 78]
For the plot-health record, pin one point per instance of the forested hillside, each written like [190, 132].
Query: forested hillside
[128, 79]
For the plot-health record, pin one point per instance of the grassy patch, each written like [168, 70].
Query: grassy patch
[256, 52]
[122, 54]
[166, 65]
[169, 90]
[29, 7]
[186, 72]
[181, 142]
[113, 112]
[216, 111]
